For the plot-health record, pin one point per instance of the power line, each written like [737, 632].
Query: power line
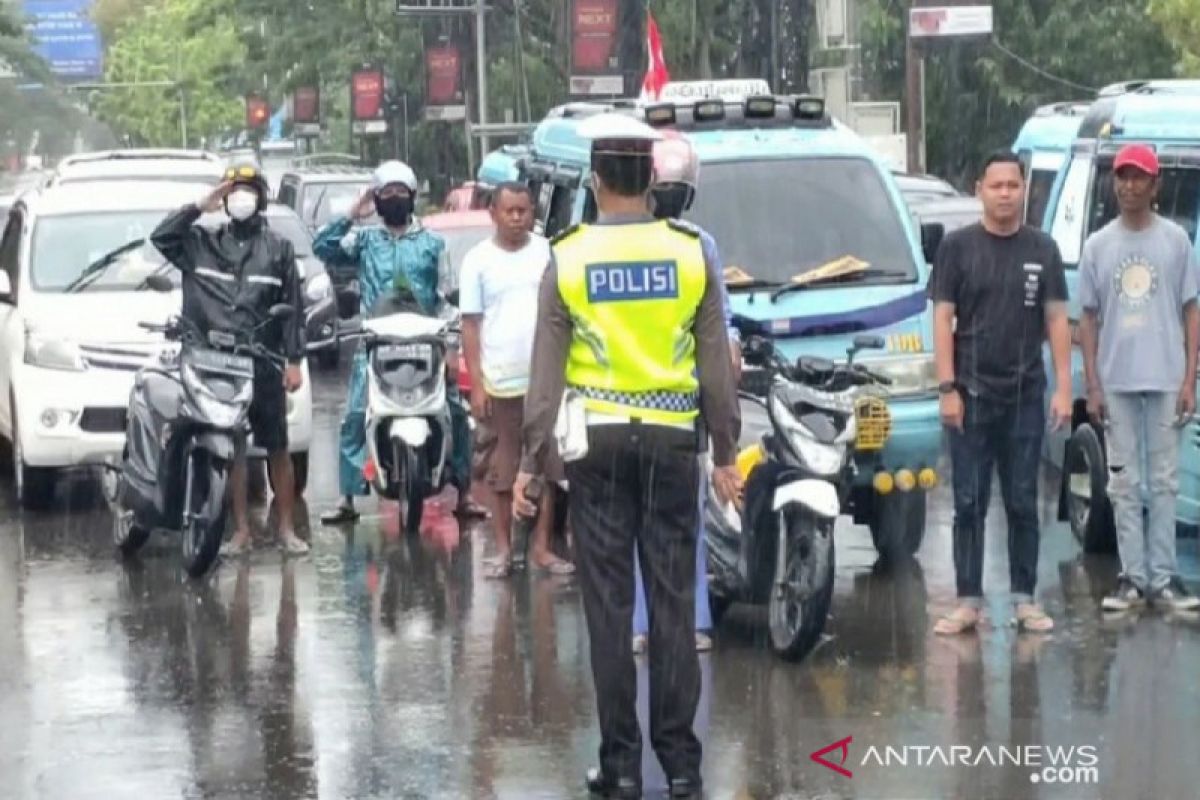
[1035, 68]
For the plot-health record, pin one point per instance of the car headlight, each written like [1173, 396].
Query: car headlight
[909, 375]
[318, 288]
[53, 353]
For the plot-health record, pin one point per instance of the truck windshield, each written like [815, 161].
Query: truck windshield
[1178, 198]
[776, 219]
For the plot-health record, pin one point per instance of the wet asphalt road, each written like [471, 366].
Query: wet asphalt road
[379, 668]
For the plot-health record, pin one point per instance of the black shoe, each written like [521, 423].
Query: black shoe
[684, 789]
[341, 515]
[1126, 596]
[619, 789]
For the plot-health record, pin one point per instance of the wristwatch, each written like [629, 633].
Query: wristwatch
[946, 387]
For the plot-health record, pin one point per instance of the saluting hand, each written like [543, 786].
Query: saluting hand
[213, 200]
[365, 206]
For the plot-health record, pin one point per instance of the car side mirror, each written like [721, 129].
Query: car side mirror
[5, 288]
[452, 298]
[159, 283]
[282, 311]
[932, 234]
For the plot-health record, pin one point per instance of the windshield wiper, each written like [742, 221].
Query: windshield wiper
[97, 267]
[890, 276]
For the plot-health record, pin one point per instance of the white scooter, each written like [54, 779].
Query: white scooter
[409, 433]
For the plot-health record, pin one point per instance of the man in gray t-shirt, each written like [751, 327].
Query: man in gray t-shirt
[1140, 332]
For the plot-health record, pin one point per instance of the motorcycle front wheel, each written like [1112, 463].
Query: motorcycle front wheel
[798, 606]
[413, 484]
[206, 512]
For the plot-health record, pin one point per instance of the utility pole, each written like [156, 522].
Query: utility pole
[914, 97]
[481, 70]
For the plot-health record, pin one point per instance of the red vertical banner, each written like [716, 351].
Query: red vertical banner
[366, 94]
[594, 37]
[443, 71]
[306, 105]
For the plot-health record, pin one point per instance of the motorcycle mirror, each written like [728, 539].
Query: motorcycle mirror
[452, 298]
[866, 342]
[159, 283]
[281, 311]
[757, 351]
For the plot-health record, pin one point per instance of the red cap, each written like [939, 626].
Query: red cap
[1137, 155]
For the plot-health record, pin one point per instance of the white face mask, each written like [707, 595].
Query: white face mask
[242, 204]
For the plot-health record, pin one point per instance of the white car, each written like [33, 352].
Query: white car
[141, 165]
[68, 356]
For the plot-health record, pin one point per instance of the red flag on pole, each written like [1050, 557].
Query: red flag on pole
[656, 72]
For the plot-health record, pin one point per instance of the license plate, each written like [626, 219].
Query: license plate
[221, 339]
[414, 351]
[216, 361]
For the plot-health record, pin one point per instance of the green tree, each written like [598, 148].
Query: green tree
[978, 95]
[1180, 20]
[169, 40]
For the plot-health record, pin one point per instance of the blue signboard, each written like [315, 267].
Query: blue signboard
[66, 37]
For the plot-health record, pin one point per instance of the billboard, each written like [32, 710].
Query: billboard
[366, 94]
[66, 37]
[595, 65]
[442, 73]
[306, 105]
[939, 21]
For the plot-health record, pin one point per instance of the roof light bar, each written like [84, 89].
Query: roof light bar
[808, 107]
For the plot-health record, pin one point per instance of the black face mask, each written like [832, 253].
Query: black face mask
[394, 211]
[671, 200]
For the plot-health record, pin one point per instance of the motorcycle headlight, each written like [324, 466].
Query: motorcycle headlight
[318, 288]
[909, 375]
[225, 406]
[52, 352]
[823, 459]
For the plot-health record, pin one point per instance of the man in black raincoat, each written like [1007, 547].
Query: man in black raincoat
[231, 278]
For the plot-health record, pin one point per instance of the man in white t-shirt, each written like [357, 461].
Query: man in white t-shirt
[498, 297]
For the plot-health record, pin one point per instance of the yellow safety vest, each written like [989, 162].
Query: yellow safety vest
[633, 292]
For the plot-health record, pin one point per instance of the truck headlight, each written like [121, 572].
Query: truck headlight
[318, 288]
[52, 352]
[909, 375]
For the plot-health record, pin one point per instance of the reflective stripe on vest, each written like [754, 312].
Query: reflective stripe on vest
[633, 292]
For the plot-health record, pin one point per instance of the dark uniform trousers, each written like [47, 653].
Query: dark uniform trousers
[637, 486]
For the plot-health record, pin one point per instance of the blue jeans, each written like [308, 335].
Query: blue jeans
[1143, 446]
[1008, 437]
[641, 623]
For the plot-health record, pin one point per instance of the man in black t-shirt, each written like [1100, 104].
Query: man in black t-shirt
[999, 292]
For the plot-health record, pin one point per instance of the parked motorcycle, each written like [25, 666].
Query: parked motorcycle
[409, 433]
[779, 550]
[185, 417]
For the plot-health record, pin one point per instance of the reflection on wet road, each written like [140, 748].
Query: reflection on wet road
[383, 667]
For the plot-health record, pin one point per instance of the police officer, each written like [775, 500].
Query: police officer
[630, 319]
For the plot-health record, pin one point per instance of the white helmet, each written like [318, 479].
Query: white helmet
[390, 172]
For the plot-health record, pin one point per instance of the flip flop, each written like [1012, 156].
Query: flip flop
[1031, 618]
[497, 568]
[295, 547]
[231, 550]
[558, 567]
[959, 621]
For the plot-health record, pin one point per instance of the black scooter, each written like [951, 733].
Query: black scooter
[779, 551]
[185, 417]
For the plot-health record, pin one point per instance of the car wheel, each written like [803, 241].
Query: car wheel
[33, 486]
[1085, 475]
